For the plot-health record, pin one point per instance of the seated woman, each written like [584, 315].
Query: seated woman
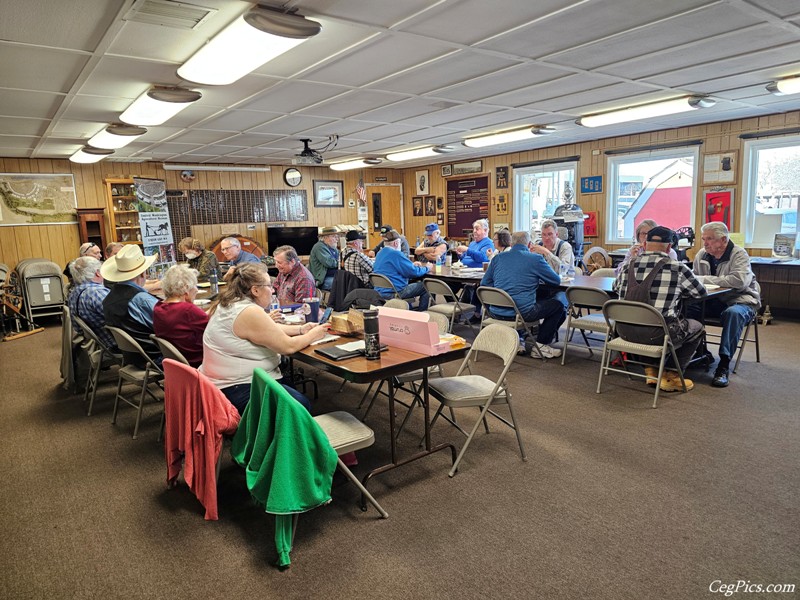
[502, 242]
[199, 258]
[176, 318]
[640, 237]
[241, 336]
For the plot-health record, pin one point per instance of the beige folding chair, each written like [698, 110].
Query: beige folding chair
[451, 307]
[489, 297]
[467, 391]
[130, 373]
[397, 303]
[381, 281]
[635, 314]
[584, 299]
[97, 356]
[168, 349]
[714, 338]
[604, 273]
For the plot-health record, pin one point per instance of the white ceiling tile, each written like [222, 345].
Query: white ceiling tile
[237, 120]
[39, 69]
[351, 104]
[291, 124]
[16, 103]
[292, 96]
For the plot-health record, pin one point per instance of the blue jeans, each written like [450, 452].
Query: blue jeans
[327, 283]
[734, 319]
[412, 290]
[552, 314]
[239, 395]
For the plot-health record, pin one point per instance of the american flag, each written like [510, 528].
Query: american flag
[361, 191]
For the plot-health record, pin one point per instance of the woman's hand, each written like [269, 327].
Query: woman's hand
[636, 250]
[277, 316]
[317, 331]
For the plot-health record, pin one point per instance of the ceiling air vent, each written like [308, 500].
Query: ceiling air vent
[166, 13]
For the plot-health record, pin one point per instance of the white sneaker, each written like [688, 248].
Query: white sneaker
[547, 351]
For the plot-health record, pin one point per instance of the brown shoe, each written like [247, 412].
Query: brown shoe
[652, 376]
[671, 382]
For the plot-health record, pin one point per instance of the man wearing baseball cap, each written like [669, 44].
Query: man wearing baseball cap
[404, 247]
[662, 282]
[433, 246]
[398, 268]
[355, 261]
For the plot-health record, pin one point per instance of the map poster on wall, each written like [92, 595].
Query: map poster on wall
[154, 224]
[36, 199]
[467, 201]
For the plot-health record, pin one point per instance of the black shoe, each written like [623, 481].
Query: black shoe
[720, 377]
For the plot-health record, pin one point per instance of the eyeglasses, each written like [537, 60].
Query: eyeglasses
[226, 248]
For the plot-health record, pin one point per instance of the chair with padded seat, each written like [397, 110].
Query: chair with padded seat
[452, 308]
[477, 391]
[489, 297]
[381, 281]
[584, 299]
[99, 355]
[607, 272]
[132, 374]
[635, 315]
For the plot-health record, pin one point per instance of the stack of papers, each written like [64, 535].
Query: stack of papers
[328, 338]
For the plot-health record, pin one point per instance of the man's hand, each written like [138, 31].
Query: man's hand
[536, 248]
[461, 248]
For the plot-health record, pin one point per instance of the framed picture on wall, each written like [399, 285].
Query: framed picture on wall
[590, 224]
[718, 206]
[440, 218]
[416, 201]
[328, 193]
[430, 206]
[720, 168]
[423, 182]
[447, 170]
[464, 168]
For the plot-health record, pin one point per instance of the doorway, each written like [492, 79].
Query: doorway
[384, 206]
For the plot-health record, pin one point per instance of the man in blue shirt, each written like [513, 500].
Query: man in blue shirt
[232, 251]
[128, 305]
[392, 263]
[519, 273]
[475, 254]
[86, 297]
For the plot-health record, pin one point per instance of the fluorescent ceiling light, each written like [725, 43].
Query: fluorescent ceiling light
[506, 137]
[234, 168]
[116, 136]
[785, 86]
[355, 164]
[427, 152]
[647, 111]
[253, 39]
[158, 104]
[87, 154]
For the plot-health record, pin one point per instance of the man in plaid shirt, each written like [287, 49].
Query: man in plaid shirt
[294, 282]
[355, 261]
[86, 297]
[672, 283]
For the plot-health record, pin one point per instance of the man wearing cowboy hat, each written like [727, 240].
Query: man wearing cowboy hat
[433, 246]
[324, 259]
[129, 306]
[404, 247]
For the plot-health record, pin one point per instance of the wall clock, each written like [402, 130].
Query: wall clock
[292, 177]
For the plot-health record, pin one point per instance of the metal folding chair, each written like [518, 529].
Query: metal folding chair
[584, 299]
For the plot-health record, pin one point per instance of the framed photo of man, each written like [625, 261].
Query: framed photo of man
[417, 204]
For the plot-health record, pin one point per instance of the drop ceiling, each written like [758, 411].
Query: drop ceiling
[386, 75]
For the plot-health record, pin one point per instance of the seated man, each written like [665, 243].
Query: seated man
[656, 279]
[404, 247]
[433, 246]
[519, 272]
[86, 297]
[324, 259]
[555, 251]
[112, 248]
[231, 249]
[128, 305]
[86, 249]
[354, 259]
[294, 282]
[392, 263]
[476, 253]
[723, 263]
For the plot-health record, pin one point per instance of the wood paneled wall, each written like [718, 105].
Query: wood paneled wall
[60, 243]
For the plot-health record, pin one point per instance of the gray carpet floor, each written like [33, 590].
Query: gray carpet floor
[616, 500]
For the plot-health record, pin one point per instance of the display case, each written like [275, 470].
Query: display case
[91, 226]
[122, 211]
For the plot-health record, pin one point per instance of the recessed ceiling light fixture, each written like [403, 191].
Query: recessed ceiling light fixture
[255, 38]
[116, 136]
[355, 164]
[158, 105]
[783, 87]
[87, 154]
[426, 152]
[506, 137]
[647, 111]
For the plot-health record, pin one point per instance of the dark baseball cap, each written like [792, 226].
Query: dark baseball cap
[386, 229]
[354, 235]
[663, 235]
[391, 236]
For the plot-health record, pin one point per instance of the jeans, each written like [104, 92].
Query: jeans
[327, 283]
[239, 395]
[552, 314]
[412, 290]
[734, 319]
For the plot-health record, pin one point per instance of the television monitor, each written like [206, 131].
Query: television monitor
[301, 239]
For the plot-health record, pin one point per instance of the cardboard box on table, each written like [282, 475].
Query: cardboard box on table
[410, 331]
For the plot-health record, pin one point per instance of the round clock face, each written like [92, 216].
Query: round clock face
[292, 177]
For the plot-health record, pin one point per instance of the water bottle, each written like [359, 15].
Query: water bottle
[571, 272]
[214, 282]
[274, 304]
[372, 340]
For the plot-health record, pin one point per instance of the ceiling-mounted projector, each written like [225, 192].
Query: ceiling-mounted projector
[313, 156]
[299, 159]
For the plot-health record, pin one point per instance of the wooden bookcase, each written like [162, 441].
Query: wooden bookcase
[122, 213]
[91, 226]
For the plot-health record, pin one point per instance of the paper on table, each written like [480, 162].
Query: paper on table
[328, 338]
[349, 346]
[711, 286]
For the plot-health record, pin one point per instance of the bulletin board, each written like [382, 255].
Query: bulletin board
[467, 201]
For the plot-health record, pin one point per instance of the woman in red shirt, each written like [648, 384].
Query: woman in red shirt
[176, 318]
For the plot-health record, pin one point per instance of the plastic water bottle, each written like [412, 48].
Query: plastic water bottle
[274, 305]
[214, 281]
[571, 272]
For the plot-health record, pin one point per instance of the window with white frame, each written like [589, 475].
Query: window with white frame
[656, 184]
[538, 190]
[771, 189]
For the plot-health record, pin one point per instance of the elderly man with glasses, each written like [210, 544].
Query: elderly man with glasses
[234, 255]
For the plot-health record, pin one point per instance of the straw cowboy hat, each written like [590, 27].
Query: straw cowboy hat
[126, 264]
[329, 231]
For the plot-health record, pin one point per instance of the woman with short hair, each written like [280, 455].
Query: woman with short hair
[176, 318]
[639, 238]
[204, 261]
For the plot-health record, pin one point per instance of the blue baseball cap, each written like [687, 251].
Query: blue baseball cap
[431, 227]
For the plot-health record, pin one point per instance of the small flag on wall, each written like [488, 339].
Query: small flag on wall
[361, 191]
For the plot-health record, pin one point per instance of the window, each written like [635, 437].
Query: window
[538, 190]
[771, 187]
[658, 185]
